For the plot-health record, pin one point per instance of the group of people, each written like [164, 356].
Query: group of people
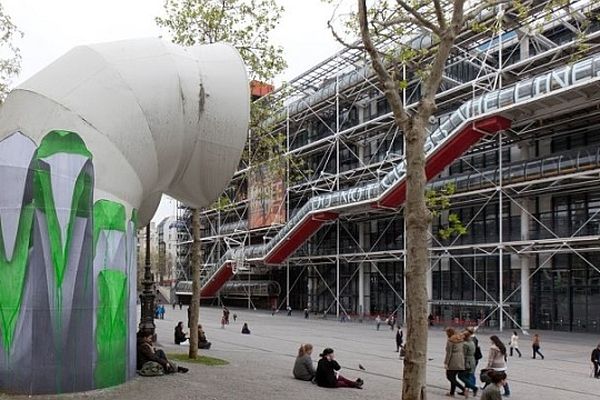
[181, 336]
[391, 321]
[327, 373]
[159, 311]
[463, 354]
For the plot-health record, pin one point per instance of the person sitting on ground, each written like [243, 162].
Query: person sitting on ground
[202, 342]
[303, 367]
[492, 391]
[326, 376]
[180, 336]
[245, 329]
[151, 361]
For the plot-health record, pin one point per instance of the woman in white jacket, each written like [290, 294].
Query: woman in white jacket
[514, 344]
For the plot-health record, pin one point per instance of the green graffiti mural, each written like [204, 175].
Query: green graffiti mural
[61, 142]
[111, 328]
[76, 260]
[111, 325]
[13, 272]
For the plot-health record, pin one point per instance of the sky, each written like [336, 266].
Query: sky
[51, 28]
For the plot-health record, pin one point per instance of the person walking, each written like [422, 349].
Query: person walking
[492, 391]
[478, 354]
[468, 375]
[303, 366]
[399, 339]
[306, 313]
[161, 311]
[377, 321]
[325, 375]
[497, 360]
[596, 361]
[535, 345]
[514, 344]
[289, 311]
[454, 362]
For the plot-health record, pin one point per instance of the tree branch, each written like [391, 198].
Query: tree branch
[385, 78]
[342, 41]
[431, 85]
[439, 14]
[419, 17]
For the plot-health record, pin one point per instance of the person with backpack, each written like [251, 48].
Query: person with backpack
[153, 362]
[514, 344]
[478, 354]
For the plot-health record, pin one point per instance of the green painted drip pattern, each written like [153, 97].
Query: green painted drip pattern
[13, 274]
[111, 286]
[60, 141]
[111, 328]
[44, 201]
[108, 216]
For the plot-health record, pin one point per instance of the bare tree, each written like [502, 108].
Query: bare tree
[245, 24]
[195, 303]
[383, 26]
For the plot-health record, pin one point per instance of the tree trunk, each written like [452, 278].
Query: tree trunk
[418, 218]
[195, 303]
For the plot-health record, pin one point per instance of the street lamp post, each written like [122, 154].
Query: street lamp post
[147, 296]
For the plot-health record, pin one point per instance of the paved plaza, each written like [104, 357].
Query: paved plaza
[260, 364]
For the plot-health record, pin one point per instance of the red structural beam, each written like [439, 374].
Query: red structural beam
[305, 229]
[217, 281]
[454, 148]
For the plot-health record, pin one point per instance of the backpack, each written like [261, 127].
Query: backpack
[152, 368]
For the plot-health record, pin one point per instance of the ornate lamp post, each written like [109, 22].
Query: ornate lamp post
[147, 296]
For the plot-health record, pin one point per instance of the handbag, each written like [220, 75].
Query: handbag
[483, 375]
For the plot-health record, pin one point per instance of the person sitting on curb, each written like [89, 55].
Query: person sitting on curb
[303, 367]
[326, 373]
[152, 362]
[245, 329]
[180, 336]
[203, 343]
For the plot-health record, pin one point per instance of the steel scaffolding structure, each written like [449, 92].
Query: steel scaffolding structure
[510, 186]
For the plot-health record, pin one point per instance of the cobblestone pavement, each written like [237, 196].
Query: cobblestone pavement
[260, 363]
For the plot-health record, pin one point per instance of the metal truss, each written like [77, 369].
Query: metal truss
[352, 146]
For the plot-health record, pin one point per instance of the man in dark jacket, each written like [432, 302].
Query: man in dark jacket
[326, 373]
[146, 352]
[596, 361]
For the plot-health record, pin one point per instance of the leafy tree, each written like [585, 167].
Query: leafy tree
[383, 27]
[245, 24]
[10, 56]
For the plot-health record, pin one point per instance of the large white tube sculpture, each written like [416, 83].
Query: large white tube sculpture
[87, 147]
